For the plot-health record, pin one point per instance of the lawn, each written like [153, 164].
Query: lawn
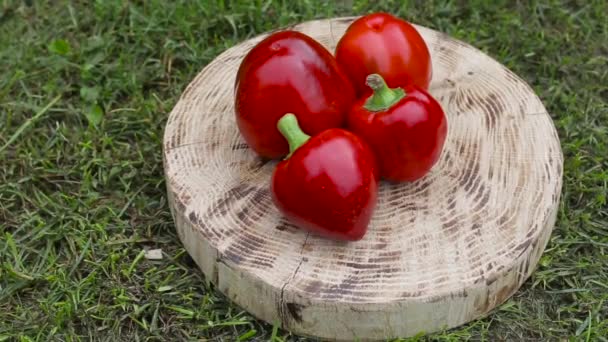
[85, 90]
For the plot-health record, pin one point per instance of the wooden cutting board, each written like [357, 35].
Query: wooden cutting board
[440, 252]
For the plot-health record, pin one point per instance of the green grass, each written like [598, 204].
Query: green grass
[85, 89]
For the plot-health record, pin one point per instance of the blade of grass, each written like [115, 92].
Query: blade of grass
[29, 122]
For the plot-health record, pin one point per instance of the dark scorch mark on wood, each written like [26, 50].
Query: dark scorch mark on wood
[233, 255]
[504, 218]
[497, 104]
[180, 206]
[521, 248]
[261, 196]
[244, 217]
[259, 199]
[530, 233]
[240, 146]
[481, 190]
[463, 148]
[470, 102]
[258, 163]
[379, 268]
[285, 224]
[343, 289]
[295, 311]
[222, 205]
[380, 245]
[451, 226]
[214, 145]
[476, 228]
[424, 185]
[451, 203]
[469, 174]
[195, 219]
[484, 200]
[220, 208]
[213, 94]
[187, 91]
[386, 257]
[512, 77]
[504, 293]
[493, 107]
[248, 244]
[407, 206]
[485, 304]
[246, 248]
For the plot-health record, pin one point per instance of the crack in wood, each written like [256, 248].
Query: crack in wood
[285, 312]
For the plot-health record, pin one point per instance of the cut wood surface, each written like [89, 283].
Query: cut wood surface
[439, 252]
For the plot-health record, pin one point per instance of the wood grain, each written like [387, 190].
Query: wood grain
[440, 252]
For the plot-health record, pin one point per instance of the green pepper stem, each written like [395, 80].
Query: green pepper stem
[383, 97]
[290, 129]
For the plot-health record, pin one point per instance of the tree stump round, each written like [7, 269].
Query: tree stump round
[439, 252]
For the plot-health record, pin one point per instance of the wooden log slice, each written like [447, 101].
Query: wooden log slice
[439, 252]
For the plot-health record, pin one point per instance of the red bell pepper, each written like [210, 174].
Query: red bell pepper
[406, 128]
[384, 44]
[289, 72]
[328, 183]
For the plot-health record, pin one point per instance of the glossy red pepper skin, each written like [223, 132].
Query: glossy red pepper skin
[328, 185]
[387, 45]
[407, 138]
[289, 72]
